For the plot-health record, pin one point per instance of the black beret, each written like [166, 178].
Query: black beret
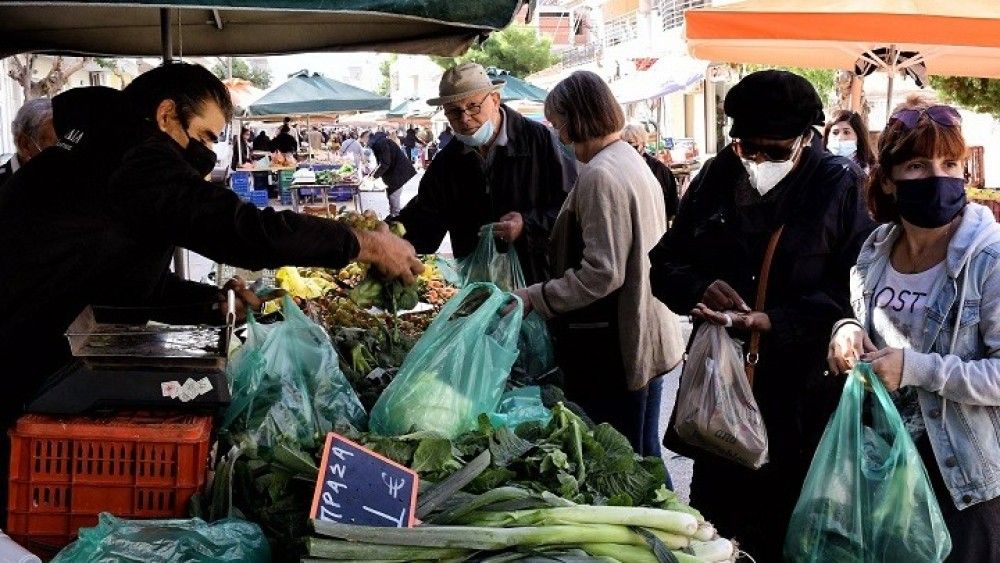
[773, 104]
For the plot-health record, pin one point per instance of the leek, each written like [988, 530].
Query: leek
[679, 523]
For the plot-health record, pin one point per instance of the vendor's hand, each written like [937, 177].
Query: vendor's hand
[848, 344]
[720, 296]
[246, 299]
[391, 255]
[510, 227]
[887, 364]
[752, 321]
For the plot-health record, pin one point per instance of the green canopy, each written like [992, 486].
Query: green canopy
[311, 94]
[411, 107]
[515, 89]
[249, 27]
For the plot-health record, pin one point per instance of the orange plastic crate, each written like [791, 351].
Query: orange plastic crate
[64, 471]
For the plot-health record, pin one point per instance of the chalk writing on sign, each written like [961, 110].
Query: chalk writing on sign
[359, 486]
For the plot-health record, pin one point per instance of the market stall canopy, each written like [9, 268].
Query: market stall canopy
[950, 38]
[311, 94]
[411, 107]
[515, 89]
[249, 27]
[666, 76]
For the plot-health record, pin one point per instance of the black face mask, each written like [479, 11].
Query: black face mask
[930, 202]
[200, 157]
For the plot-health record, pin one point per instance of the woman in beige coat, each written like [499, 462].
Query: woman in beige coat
[613, 340]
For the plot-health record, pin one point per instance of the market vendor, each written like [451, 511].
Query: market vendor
[122, 195]
[501, 168]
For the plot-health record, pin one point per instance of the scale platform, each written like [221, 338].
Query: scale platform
[81, 389]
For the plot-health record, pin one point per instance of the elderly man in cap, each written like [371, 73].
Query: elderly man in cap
[501, 169]
[33, 132]
[775, 184]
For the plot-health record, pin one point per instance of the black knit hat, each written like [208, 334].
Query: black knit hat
[773, 104]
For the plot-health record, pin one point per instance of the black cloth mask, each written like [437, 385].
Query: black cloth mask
[930, 202]
[200, 157]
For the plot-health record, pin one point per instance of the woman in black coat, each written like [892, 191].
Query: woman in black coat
[775, 174]
[394, 168]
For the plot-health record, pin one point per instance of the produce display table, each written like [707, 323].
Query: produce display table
[324, 190]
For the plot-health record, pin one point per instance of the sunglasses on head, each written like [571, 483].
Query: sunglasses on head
[775, 153]
[946, 116]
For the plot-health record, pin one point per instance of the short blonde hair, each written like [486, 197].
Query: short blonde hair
[635, 134]
[586, 105]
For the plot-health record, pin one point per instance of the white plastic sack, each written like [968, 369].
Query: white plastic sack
[716, 410]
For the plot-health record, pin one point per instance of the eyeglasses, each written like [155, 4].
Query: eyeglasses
[946, 116]
[471, 109]
[773, 153]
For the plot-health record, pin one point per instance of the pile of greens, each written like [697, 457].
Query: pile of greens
[584, 464]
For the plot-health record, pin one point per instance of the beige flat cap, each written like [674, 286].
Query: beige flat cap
[462, 81]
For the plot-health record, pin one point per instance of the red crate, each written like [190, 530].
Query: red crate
[64, 471]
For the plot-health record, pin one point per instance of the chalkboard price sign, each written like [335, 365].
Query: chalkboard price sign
[359, 486]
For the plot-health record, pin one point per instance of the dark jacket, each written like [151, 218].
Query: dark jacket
[7, 169]
[285, 143]
[262, 142]
[107, 237]
[461, 191]
[667, 181]
[721, 232]
[393, 166]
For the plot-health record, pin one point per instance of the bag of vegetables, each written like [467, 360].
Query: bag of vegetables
[867, 497]
[458, 368]
[716, 409]
[287, 383]
[536, 356]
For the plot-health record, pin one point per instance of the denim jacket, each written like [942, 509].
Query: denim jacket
[956, 365]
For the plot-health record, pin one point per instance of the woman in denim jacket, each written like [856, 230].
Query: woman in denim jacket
[926, 295]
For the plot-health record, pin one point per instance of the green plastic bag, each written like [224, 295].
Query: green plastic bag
[536, 356]
[115, 540]
[867, 497]
[458, 368]
[520, 405]
[287, 383]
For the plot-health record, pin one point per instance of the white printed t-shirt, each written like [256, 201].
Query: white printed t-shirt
[898, 317]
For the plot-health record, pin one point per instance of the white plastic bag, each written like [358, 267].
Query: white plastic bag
[716, 410]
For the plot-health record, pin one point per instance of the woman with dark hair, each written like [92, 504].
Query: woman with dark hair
[926, 298]
[613, 340]
[846, 135]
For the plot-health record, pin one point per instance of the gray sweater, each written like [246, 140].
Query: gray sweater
[618, 205]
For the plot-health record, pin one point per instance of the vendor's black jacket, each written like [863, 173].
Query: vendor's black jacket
[394, 167]
[284, 143]
[667, 181]
[721, 232]
[460, 192]
[104, 234]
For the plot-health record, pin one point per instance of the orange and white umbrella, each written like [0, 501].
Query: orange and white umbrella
[950, 38]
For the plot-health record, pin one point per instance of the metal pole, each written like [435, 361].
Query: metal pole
[167, 43]
[892, 79]
[166, 39]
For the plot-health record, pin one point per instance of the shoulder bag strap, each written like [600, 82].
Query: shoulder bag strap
[765, 270]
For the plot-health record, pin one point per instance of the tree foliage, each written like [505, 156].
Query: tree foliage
[516, 49]
[385, 68]
[242, 69]
[981, 95]
[823, 80]
[22, 70]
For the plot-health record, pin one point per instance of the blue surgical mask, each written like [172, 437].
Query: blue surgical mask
[480, 137]
[846, 148]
